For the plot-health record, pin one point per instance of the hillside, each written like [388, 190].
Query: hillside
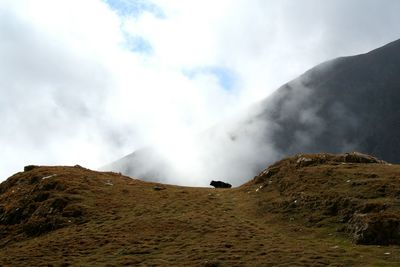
[345, 104]
[305, 210]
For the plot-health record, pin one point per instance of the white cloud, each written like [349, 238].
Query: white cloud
[72, 91]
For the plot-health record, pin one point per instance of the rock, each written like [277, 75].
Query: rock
[30, 167]
[375, 229]
[303, 161]
[356, 157]
[346, 158]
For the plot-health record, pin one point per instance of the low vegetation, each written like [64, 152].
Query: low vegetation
[306, 210]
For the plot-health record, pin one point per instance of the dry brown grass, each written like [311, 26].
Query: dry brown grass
[110, 220]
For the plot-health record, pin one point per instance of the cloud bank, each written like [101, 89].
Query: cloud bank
[86, 82]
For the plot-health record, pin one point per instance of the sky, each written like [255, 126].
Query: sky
[87, 82]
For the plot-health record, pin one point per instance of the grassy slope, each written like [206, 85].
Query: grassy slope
[122, 221]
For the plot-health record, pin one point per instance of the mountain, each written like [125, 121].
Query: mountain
[346, 104]
[145, 163]
[349, 102]
[305, 210]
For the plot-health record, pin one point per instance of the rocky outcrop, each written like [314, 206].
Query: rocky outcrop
[375, 229]
[323, 158]
[304, 160]
[30, 167]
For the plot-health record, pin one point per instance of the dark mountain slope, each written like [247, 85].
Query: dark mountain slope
[349, 102]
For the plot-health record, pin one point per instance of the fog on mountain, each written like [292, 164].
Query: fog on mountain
[346, 104]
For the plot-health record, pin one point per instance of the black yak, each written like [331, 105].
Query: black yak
[220, 184]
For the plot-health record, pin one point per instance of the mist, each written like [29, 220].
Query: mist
[90, 82]
[294, 119]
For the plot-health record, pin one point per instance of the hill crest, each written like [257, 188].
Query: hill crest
[302, 210]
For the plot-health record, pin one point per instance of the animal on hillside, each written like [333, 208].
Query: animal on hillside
[220, 184]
